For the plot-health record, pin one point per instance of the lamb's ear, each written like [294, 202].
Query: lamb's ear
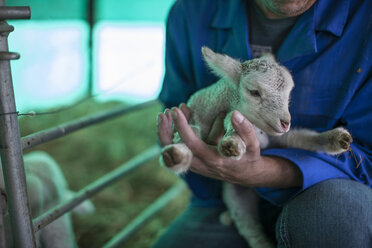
[223, 65]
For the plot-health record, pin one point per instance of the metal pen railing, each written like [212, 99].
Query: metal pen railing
[10, 143]
[67, 128]
[11, 147]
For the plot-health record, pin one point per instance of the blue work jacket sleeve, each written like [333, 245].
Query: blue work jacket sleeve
[178, 81]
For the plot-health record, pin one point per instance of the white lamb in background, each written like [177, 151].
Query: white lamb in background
[47, 187]
[260, 90]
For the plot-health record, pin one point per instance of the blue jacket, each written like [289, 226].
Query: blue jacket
[329, 53]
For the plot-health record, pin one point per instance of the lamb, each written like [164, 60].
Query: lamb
[260, 90]
[46, 188]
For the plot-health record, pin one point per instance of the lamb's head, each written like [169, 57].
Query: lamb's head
[263, 86]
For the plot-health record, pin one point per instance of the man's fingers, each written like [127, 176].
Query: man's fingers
[246, 131]
[164, 130]
[217, 130]
[185, 110]
[193, 142]
[169, 120]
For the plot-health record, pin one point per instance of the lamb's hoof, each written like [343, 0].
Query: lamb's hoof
[340, 140]
[176, 157]
[171, 156]
[232, 146]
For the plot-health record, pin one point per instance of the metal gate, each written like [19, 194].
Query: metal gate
[12, 147]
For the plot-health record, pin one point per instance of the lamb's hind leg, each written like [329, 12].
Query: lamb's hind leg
[334, 141]
[242, 204]
[231, 144]
[177, 157]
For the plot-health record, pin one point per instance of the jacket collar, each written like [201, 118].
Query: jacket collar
[325, 15]
[331, 16]
[231, 16]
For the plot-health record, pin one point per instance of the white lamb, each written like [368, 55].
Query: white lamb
[47, 187]
[260, 89]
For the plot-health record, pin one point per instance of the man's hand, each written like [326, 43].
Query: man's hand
[251, 170]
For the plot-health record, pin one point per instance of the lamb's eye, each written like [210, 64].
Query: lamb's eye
[254, 93]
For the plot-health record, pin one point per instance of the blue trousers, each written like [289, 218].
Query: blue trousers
[334, 213]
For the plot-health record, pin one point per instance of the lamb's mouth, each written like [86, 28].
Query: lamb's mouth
[268, 128]
[276, 131]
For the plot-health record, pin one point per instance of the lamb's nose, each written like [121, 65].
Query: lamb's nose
[285, 125]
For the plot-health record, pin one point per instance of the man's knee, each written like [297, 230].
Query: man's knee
[334, 213]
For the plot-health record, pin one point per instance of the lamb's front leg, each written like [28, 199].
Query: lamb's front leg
[231, 144]
[334, 141]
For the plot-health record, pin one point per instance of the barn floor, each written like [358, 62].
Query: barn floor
[90, 153]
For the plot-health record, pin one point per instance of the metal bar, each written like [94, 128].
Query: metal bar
[9, 56]
[145, 216]
[64, 129]
[8, 28]
[95, 187]
[11, 156]
[19, 12]
[2, 226]
[91, 21]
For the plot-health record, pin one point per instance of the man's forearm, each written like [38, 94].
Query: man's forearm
[276, 172]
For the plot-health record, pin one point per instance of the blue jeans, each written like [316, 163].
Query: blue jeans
[334, 213]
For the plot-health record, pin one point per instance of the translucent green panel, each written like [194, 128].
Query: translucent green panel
[54, 9]
[129, 60]
[128, 10]
[53, 65]
[133, 10]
